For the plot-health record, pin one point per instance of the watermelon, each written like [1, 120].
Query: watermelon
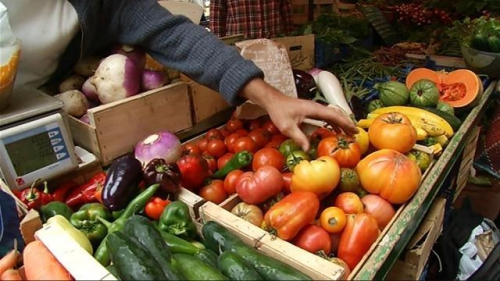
[392, 93]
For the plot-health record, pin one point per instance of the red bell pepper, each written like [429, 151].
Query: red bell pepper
[86, 193]
[46, 197]
[32, 197]
[62, 190]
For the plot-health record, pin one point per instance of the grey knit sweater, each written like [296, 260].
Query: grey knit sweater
[172, 40]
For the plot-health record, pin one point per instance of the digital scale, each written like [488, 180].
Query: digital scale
[35, 142]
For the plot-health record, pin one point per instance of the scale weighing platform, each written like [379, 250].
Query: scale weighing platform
[35, 142]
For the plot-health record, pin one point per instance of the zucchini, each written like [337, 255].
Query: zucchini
[195, 269]
[207, 256]
[218, 237]
[131, 260]
[236, 268]
[454, 122]
[144, 231]
[112, 269]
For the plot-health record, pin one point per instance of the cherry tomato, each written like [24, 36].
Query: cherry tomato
[221, 162]
[212, 163]
[214, 192]
[268, 157]
[253, 124]
[230, 140]
[234, 124]
[214, 134]
[270, 127]
[314, 239]
[244, 143]
[259, 136]
[191, 148]
[216, 148]
[202, 144]
[194, 170]
[231, 180]
[333, 219]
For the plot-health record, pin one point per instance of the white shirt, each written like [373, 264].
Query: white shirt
[45, 28]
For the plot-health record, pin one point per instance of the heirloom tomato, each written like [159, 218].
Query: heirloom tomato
[393, 131]
[321, 133]
[251, 213]
[313, 239]
[349, 202]
[268, 156]
[287, 146]
[194, 170]
[333, 219]
[379, 208]
[214, 191]
[231, 180]
[256, 187]
[359, 234]
[349, 180]
[289, 215]
[295, 157]
[390, 174]
[363, 140]
[319, 176]
[341, 147]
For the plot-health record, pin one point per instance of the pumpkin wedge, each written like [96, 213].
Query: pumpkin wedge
[459, 88]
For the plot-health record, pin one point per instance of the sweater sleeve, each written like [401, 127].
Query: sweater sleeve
[185, 46]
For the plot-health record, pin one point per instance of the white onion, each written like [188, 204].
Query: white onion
[164, 145]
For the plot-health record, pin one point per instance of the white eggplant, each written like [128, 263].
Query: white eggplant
[331, 88]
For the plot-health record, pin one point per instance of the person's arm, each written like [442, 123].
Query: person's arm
[218, 15]
[287, 16]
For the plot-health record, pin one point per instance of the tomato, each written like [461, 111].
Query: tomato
[273, 144]
[231, 180]
[349, 180]
[340, 263]
[256, 187]
[230, 140]
[202, 144]
[259, 136]
[341, 147]
[360, 232]
[194, 170]
[242, 132]
[390, 174]
[394, 131]
[224, 132]
[190, 148]
[155, 206]
[268, 157]
[379, 208]
[251, 213]
[313, 239]
[245, 143]
[321, 133]
[216, 148]
[295, 157]
[288, 146]
[234, 124]
[214, 134]
[288, 216]
[278, 138]
[363, 140]
[221, 162]
[333, 219]
[319, 176]
[253, 124]
[214, 192]
[349, 202]
[212, 163]
[287, 180]
[270, 127]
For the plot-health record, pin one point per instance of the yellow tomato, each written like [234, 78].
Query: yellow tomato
[320, 176]
[362, 139]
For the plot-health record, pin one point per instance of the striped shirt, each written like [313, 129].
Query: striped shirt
[252, 18]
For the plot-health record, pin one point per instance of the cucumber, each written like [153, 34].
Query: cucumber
[454, 122]
[217, 237]
[131, 260]
[195, 269]
[144, 231]
[236, 268]
[112, 269]
[207, 256]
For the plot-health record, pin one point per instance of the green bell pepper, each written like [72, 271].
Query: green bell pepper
[55, 208]
[86, 220]
[175, 219]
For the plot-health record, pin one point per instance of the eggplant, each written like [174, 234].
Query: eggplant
[357, 107]
[122, 182]
[304, 83]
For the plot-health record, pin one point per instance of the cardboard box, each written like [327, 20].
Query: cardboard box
[115, 128]
[300, 50]
[413, 260]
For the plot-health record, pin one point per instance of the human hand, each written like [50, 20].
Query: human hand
[288, 113]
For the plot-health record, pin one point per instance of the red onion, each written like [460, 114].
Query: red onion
[137, 54]
[164, 145]
[152, 79]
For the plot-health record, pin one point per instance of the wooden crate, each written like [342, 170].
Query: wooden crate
[116, 127]
[466, 162]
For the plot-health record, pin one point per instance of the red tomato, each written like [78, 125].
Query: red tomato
[216, 148]
[268, 156]
[214, 134]
[212, 163]
[190, 148]
[274, 144]
[224, 132]
[245, 143]
[270, 127]
[231, 180]
[253, 124]
[322, 133]
[194, 171]
[221, 162]
[379, 208]
[279, 138]
[314, 239]
[259, 136]
[343, 148]
[214, 192]
[234, 124]
[202, 144]
[242, 132]
[256, 187]
[287, 180]
[230, 140]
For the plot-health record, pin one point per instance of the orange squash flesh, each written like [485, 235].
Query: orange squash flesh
[458, 88]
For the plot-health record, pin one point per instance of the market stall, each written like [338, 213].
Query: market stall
[163, 179]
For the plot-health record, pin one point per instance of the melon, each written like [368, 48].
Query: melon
[393, 93]
[424, 92]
